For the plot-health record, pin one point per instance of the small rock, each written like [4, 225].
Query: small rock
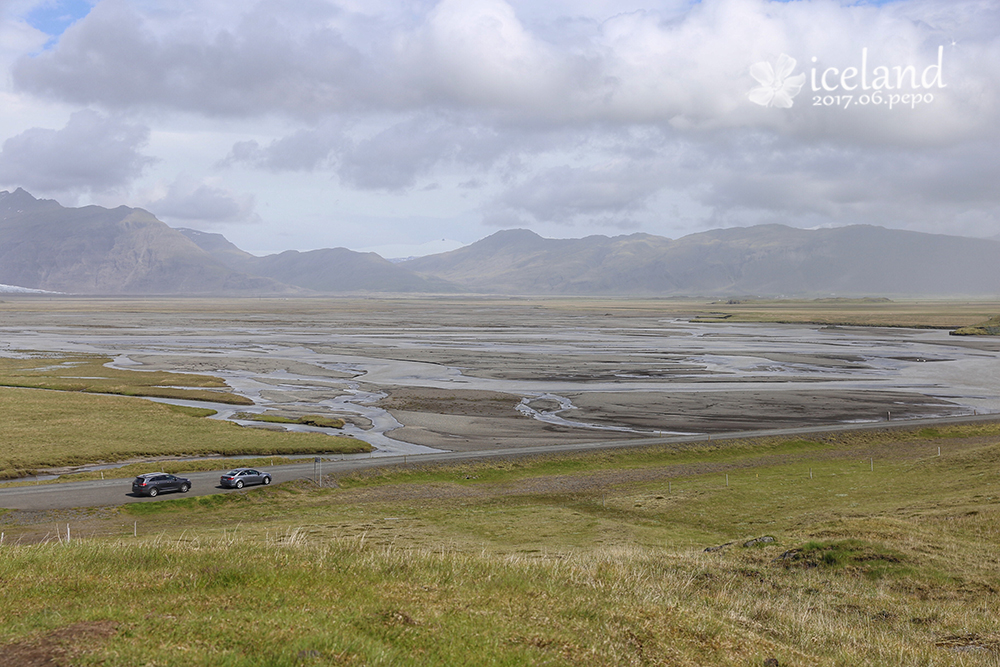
[771, 662]
[766, 539]
[709, 550]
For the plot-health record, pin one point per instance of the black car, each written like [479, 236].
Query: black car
[154, 483]
[241, 477]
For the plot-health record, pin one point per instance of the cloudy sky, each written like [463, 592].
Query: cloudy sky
[414, 126]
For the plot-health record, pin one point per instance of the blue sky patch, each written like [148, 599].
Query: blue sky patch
[55, 16]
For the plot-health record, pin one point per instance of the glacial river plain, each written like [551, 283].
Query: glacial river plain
[415, 376]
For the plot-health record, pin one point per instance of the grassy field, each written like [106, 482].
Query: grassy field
[88, 373]
[48, 429]
[990, 327]
[274, 417]
[852, 312]
[877, 551]
[926, 313]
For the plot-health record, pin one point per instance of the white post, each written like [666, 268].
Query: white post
[67, 533]
[135, 529]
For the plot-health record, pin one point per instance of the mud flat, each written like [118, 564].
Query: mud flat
[411, 374]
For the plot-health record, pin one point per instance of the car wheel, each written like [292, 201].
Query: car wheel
[153, 491]
[267, 480]
[185, 487]
[239, 484]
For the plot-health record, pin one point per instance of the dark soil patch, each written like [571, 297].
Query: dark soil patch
[58, 647]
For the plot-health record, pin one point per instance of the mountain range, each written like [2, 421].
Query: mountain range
[96, 250]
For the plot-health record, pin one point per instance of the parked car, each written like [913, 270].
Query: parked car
[241, 477]
[154, 483]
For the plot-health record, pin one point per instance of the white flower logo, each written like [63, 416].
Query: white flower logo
[777, 88]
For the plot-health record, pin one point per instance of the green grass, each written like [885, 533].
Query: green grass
[272, 417]
[884, 553]
[88, 373]
[192, 412]
[46, 429]
[851, 312]
[990, 327]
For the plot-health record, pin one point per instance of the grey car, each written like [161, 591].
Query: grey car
[153, 484]
[241, 477]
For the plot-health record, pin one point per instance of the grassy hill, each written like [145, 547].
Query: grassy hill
[877, 550]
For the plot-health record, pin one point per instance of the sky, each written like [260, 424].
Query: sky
[410, 127]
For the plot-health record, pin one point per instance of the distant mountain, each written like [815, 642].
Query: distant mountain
[216, 245]
[95, 250]
[766, 260]
[330, 270]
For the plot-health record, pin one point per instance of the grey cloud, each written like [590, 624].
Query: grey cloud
[567, 194]
[746, 178]
[397, 156]
[94, 152]
[188, 201]
[277, 57]
[822, 184]
[304, 150]
[392, 158]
